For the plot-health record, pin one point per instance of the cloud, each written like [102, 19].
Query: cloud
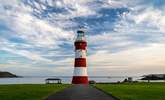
[143, 19]
[41, 33]
[146, 58]
[30, 28]
[32, 70]
[27, 54]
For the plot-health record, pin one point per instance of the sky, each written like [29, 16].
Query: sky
[125, 37]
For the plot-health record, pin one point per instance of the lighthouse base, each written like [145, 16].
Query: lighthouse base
[80, 80]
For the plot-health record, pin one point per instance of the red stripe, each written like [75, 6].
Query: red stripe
[80, 62]
[80, 45]
[84, 42]
[80, 80]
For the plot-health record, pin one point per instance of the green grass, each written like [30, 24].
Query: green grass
[135, 91]
[29, 91]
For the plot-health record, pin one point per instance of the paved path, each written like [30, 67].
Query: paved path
[80, 92]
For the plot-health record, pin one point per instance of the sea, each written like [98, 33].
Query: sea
[65, 79]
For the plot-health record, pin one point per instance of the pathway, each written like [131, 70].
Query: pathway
[80, 92]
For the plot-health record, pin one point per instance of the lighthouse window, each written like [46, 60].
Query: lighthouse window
[81, 35]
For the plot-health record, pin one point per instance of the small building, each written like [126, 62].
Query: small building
[92, 82]
[53, 81]
[130, 79]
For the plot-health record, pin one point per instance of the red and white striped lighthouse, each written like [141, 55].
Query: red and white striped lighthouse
[80, 67]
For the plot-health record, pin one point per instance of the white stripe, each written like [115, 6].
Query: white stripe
[80, 54]
[80, 71]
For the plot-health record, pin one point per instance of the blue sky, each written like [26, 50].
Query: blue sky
[125, 37]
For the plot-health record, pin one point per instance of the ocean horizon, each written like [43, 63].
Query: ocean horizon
[65, 79]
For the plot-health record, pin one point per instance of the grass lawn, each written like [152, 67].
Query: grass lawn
[135, 91]
[29, 91]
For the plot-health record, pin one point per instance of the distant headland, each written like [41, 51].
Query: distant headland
[7, 75]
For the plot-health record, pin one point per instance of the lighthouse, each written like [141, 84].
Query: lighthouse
[80, 66]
